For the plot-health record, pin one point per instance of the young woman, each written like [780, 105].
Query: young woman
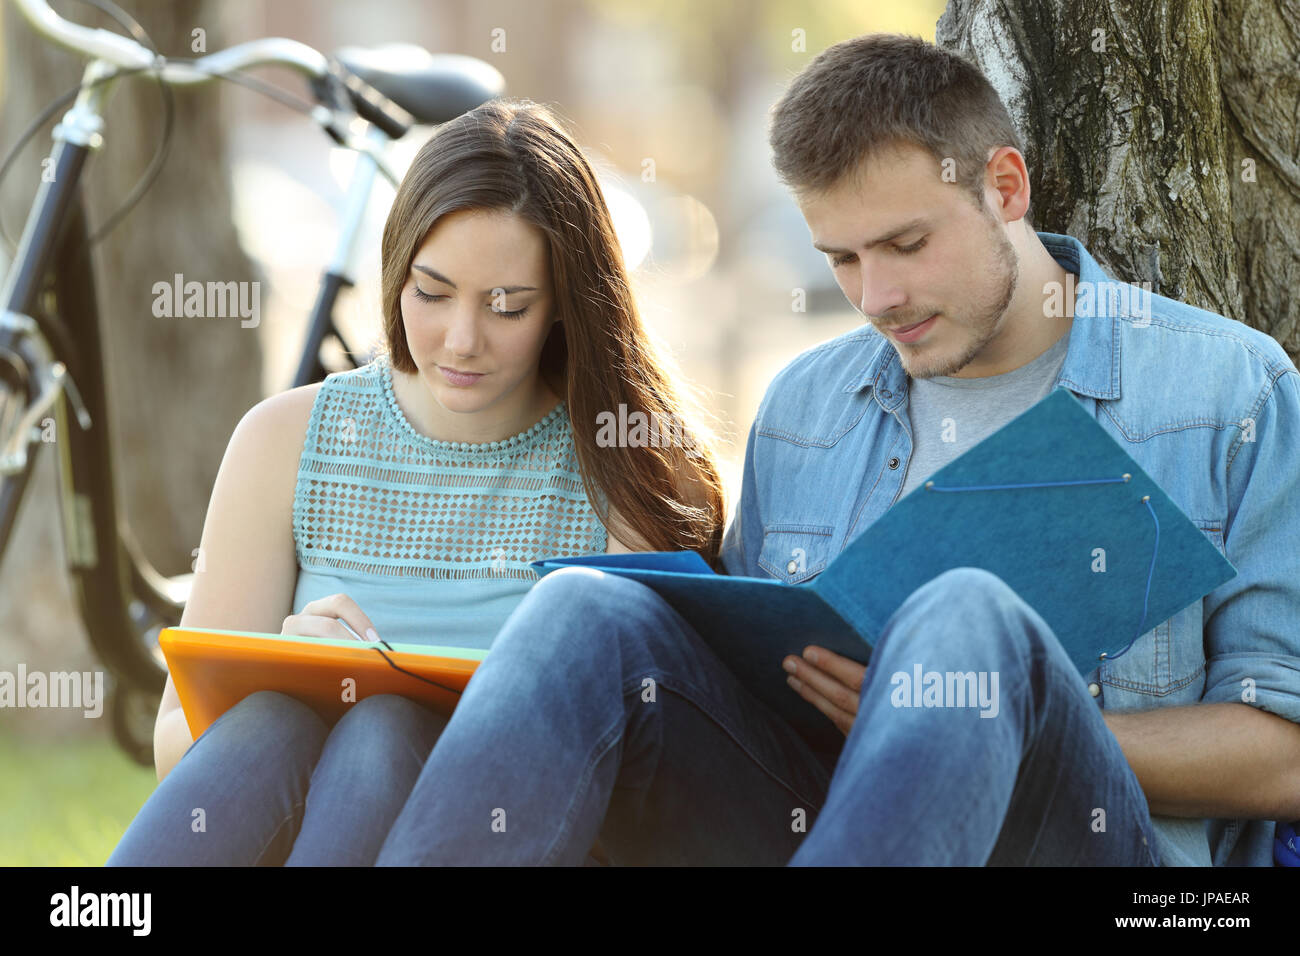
[405, 499]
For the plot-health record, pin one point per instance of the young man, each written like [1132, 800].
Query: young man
[598, 702]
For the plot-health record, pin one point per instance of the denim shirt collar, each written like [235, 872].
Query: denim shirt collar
[1092, 356]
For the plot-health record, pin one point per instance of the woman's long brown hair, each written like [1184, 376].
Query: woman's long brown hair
[514, 155]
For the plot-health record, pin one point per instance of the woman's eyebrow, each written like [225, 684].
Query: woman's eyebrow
[507, 289]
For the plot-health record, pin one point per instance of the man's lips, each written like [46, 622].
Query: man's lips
[907, 334]
[908, 328]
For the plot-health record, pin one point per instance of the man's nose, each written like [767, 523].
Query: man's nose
[880, 291]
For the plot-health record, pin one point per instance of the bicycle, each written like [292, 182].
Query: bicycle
[50, 351]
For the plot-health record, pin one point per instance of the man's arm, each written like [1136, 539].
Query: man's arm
[1237, 753]
[1223, 761]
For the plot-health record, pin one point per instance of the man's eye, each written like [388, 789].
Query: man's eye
[914, 247]
[842, 260]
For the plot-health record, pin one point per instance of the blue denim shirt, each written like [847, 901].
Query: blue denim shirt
[1209, 407]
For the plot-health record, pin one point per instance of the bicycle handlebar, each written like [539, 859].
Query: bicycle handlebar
[326, 73]
[127, 54]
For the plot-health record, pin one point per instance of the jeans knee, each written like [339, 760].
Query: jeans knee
[270, 725]
[269, 708]
[578, 590]
[965, 589]
[969, 612]
[580, 610]
[272, 701]
[384, 713]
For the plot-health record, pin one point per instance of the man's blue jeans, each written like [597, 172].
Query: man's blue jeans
[599, 703]
[276, 785]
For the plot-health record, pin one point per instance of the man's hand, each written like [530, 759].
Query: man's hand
[829, 682]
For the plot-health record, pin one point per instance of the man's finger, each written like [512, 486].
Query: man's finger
[848, 672]
[841, 718]
[830, 687]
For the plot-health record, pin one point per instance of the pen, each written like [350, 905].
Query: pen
[350, 631]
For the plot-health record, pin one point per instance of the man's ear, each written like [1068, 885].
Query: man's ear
[1008, 177]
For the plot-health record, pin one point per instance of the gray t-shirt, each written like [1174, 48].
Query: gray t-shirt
[951, 415]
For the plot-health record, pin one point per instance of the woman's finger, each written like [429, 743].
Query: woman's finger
[315, 625]
[342, 606]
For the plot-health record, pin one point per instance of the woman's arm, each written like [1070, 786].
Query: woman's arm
[617, 532]
[622, 538]
[247, 567]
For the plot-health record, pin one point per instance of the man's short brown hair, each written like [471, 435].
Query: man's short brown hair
[874, 92]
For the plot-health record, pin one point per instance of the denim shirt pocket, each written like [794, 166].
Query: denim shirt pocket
[793, 553]
[1165, 667]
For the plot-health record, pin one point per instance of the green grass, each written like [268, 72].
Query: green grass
[66, 803]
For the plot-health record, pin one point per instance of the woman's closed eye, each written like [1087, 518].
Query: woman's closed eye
[424, 296]
[432, 297]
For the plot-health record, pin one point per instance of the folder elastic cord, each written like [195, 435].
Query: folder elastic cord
[1146, 500]
[408, 673]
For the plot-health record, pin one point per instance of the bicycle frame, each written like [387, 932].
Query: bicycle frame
[122, 599]
[342, 267]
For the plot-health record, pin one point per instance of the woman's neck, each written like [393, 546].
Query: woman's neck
[501, 421]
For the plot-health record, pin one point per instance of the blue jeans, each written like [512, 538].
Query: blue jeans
[600, 712]
[277, 786]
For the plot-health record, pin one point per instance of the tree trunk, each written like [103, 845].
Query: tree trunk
[176, 387]
[1161, 135]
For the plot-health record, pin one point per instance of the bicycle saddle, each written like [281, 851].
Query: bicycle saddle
[433, 88]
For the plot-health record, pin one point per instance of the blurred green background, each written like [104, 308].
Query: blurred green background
[66, 803]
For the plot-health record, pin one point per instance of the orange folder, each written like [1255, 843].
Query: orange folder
[214, 669]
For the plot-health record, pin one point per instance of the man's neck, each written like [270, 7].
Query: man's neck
[1033, 323]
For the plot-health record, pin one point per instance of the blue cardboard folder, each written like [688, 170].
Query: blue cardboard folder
[1031, 503]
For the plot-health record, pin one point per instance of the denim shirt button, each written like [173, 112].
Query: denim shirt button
[893, 463]
[792, 567]
[1094, 689]
[886, 393]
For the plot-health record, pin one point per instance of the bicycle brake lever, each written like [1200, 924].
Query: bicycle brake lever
[329, 121]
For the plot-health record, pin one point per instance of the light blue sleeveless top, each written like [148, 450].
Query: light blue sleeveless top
[432, 539]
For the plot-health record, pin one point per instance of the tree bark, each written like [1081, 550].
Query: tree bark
[176, 387]
[1162, 135]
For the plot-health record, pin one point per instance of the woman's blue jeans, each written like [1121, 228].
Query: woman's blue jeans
[270, 783]
[600, 712]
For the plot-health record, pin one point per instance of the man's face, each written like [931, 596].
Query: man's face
[908, 248]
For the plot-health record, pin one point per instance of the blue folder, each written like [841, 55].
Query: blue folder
[1030, 503]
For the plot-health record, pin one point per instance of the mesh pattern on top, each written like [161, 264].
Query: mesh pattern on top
[375, 496]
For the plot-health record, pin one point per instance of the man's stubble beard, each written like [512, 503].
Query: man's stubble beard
[985, 326]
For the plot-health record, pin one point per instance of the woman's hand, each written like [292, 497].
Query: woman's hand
[326, 618]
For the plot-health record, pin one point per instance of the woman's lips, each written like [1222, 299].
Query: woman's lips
[913, 332]
[459, 379]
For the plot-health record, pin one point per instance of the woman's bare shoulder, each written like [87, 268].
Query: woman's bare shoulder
[279, 421]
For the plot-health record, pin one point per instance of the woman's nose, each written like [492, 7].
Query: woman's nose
[463, 336]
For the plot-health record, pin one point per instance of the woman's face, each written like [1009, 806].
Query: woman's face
[477, 307]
